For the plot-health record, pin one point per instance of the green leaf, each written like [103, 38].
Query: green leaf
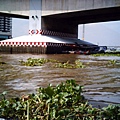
[64, 112]
[49, 91]
[4, 93]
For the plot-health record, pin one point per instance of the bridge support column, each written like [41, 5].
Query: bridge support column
[57, 26]
[35, 16]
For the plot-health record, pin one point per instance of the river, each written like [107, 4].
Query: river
[101, 82]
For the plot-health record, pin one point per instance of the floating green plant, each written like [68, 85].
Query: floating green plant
[63, 102]
[64, 65]
[113, 62]
[36, 62]
[106, 54]
[77, 64]
[42, 61]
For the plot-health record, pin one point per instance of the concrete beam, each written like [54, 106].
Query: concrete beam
[68, 22]
[15, 7]
[89, 16]
[51, 7]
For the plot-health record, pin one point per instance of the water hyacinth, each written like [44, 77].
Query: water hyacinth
[77, 64]
[63, 102]
[57, 64]
[34, 62]
[106, 54]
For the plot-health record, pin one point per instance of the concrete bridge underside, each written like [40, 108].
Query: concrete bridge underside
[65, 15]
[68, 22]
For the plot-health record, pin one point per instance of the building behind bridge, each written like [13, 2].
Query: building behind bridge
[5, 27]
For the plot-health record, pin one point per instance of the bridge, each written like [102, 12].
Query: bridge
[60, 17]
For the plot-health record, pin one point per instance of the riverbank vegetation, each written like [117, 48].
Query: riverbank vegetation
[63, 102]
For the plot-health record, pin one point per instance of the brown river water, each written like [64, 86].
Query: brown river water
[101, 82]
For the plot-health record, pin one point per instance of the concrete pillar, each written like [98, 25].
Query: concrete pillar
[35, 16]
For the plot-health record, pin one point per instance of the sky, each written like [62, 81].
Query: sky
[103, 34]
